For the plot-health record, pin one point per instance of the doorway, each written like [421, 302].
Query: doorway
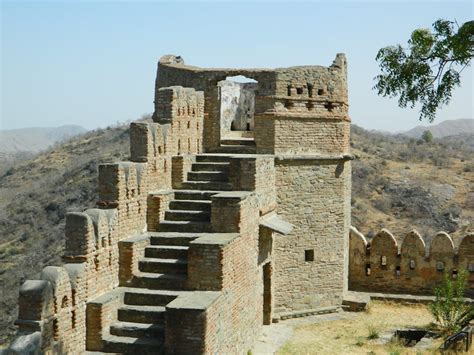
[267, 293]
[237, 105]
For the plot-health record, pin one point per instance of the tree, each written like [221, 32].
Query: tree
[429, 69]
[427, 136]
[449, 309]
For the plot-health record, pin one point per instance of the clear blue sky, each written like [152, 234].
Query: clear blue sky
[94, 63]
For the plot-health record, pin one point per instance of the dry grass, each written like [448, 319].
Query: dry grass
[359, 335]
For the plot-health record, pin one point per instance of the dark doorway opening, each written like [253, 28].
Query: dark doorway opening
[267, 293]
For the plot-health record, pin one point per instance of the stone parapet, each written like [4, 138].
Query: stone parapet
[410, 264]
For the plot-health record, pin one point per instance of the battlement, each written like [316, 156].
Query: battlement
[410, 264]
[304, 104]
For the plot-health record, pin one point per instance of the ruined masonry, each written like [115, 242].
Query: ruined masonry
[233, 212]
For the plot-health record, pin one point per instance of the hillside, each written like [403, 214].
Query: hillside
[397, 183]
[35, 139]
[21, 144]
[444, 129]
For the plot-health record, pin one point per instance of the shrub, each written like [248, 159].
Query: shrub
[373, 333]
[450, 311]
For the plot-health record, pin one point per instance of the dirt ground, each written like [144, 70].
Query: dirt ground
[361, 333]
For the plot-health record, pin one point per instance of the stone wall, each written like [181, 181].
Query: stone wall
[410, 264]
[55, 305]
[309, 264]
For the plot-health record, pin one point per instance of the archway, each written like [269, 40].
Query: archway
[236, 106]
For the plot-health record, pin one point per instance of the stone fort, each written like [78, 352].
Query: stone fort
[233, 212]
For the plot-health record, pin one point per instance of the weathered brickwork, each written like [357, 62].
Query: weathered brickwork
[410, 265]
[311, 195]
[203, 236]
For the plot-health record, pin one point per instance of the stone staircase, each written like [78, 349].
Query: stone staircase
[240, 145]
[163, 268]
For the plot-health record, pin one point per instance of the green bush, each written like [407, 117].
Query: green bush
[450, 311]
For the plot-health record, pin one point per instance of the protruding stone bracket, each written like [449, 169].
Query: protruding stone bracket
[276, 223]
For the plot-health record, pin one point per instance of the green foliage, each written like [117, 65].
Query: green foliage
[360, 342]
[429, 69]
[427, 136]
[448, 309]
[373, 333]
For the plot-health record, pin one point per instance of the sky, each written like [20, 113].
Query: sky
[93, 63]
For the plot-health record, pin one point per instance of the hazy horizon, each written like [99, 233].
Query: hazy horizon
[94, 63]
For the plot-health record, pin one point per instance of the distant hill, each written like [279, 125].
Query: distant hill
[35, 139]
[444, 129]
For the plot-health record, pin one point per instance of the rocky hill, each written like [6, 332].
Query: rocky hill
[22, 144]
[397, 183]
[444, 129]
[35, 139]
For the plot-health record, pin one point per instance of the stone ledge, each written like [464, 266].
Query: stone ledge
[306, 313]
[344, 157]
[135, 239]
[161, 192]
[110, 296]
[197, 300]
[405, 298]
[215, 239]
[232, 195]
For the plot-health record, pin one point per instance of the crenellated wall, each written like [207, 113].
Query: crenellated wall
[55, 305]
[410, 264]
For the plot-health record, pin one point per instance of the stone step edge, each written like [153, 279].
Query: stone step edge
[306, 313]
[165, 261]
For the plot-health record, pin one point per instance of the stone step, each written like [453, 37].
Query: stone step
[166, 251]
[238, 141]
[208, 176]
[191, 205]
[129, 345]
[215, 166]
[173, 238]
[207, 185]
[184, 226]
[181, 215]
[145, 297]
[210, 158]
[235, 149]
[141, 314]
[137, 330]
[194, 195]
[159, 281]
[163, 266]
